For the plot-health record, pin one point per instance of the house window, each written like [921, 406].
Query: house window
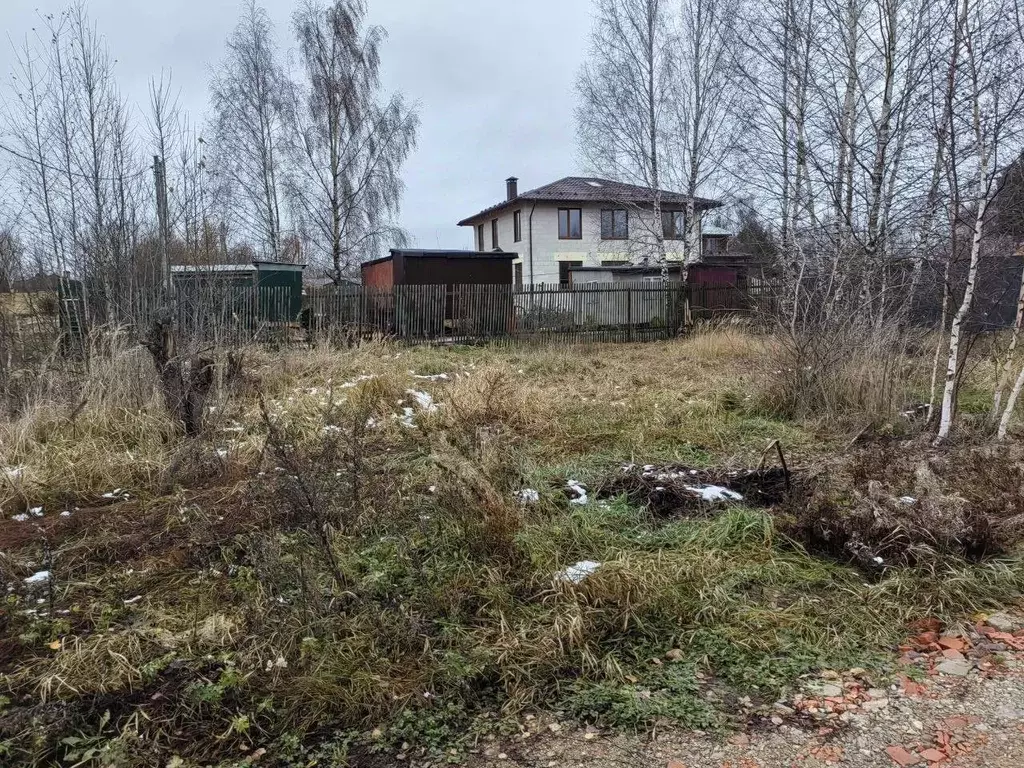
[564, 274]
[714, 244]
[518, 272]
[615, 224]
[494, 234]
[673, 224]
[479, 237]
[517, 227]
[570, 223]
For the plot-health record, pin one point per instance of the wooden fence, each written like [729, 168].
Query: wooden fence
[470, 313]
[229, 314]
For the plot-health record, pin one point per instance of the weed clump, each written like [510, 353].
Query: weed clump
[895, 504]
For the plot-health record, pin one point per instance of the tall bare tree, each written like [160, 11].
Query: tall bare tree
[702, 103]
[248, 93]
[990, 87]
[626, 104]
[348, 139]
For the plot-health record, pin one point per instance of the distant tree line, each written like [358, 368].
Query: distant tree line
[295, 161]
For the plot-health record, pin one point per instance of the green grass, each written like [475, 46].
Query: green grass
[396, 592]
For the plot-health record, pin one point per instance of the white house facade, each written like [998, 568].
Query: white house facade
[582, 222]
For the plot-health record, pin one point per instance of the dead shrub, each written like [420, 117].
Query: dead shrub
[489, 519]
[839, 366]
[901, 503]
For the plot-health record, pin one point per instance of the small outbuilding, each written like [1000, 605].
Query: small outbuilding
[277, 286]
[418, 267]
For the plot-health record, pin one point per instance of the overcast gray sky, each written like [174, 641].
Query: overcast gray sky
[494, 80]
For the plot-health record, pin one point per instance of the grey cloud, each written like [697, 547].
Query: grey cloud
[494, 81]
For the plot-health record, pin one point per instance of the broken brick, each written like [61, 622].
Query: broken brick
[902, 757]
[952, 643]
[910, 687]
[953, 655]
[933, 755]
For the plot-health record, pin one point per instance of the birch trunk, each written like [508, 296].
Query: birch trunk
[956, 330]
[1004, 375]
[1011, 405]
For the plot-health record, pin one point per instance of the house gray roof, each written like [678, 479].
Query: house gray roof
[579, 189]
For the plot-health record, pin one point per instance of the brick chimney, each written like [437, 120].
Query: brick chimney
[512, 187]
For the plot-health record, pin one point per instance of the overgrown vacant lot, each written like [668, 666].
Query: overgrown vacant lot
[373, 550]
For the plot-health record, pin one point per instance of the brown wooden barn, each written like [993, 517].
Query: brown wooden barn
[415, 267]
[442, 293]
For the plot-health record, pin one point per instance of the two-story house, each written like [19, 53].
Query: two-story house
[583, 222]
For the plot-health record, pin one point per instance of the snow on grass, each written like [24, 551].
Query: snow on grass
[20, 518]
[358, 380]
[39, 577]
[423, 400]
[576, 573]
[528, 496]
[581, 493]
[36, 511]
[714, 493]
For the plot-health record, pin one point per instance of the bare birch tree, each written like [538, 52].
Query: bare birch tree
[625, 105]
[247, 95]
[990, 86]
[703, 103]
[348, 140]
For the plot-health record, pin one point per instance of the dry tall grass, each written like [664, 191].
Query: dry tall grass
[368, 573]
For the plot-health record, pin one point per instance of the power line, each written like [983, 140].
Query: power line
[65, 171]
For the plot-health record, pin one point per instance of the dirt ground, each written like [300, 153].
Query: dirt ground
[945, 720]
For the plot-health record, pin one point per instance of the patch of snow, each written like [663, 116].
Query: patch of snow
[39, 577]
[879, 560]
[65, 513]
[358, 380]
[371, 423]
[331, 429]
[435, 377]
[20, 518]
[222, 453]
[432, 489]
[423, 400]
[908, 500]
[117, 493]
[714, 493]
[133, 600]
[581, 493]
[36, 511]
[14, 474]
[406, 417]
[279, 663]
[528, 496]
[576, 573]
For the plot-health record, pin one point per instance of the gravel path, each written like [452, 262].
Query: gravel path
[960, 715]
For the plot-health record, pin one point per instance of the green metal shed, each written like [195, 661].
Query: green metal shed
[273, 290]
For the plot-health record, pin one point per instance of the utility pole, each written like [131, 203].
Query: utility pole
[160, 179]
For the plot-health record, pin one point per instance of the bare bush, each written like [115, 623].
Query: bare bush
[840, 365]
